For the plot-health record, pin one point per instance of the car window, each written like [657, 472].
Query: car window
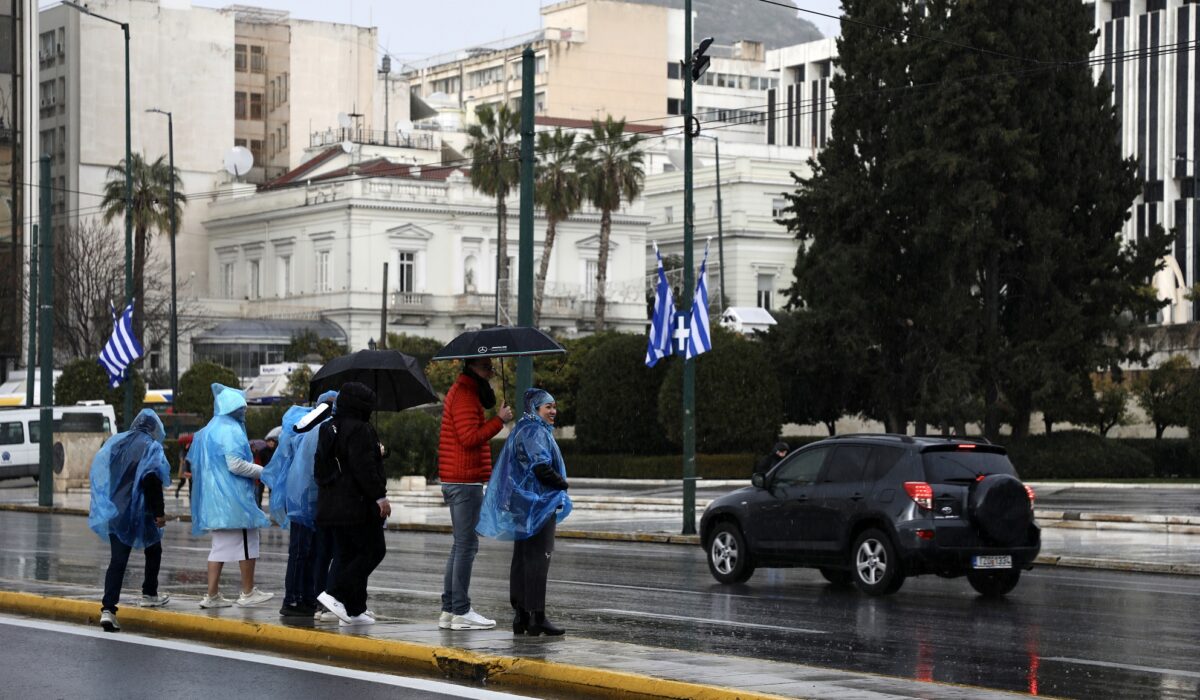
[847, 464]
[12, 433]
[882, 460]
[944, 466]
[800, 468]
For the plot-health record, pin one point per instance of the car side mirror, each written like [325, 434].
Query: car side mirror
[759, 480]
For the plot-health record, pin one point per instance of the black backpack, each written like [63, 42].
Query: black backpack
[326, 467]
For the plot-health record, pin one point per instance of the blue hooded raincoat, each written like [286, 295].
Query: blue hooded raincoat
[516, 504]
[118, 503]
[222, 500]
[275, 473]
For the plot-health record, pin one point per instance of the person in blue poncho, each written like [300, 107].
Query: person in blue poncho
[128, 476]
[223, 475]
[525, 499]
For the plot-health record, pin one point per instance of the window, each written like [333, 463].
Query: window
[778, 205]
[766, 289]
[239, 58]
[156, 356]
[240, 142]
[239, 105]
[12, 433]
[405, 267]
[674, 106]
[283, 90]
[253, 289]
[256, 150]
[256, 105]
[258, 60]
[881, 461]
[271, 145]
[539, 103]
[672, 70]
[283, 281]
[669, 214]
[847, 464]
[591, 269]
[323, 281]
[227, 280]
[283, 138]
[801, 467]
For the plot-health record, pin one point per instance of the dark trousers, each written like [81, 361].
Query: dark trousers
[115, 575]
[360, 549]
[299, 583]
[325, 560]
[529, 569]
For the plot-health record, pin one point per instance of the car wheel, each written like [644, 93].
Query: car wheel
[728, 556]
[876, 570]
[838, 577]
[993, 584]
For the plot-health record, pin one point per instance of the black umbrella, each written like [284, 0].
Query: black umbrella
[499, 341]
[396, 378]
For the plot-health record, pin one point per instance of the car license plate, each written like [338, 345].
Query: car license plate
[992, 562]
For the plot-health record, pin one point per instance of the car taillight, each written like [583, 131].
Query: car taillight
[921, 493]
[966, 446]
[1030, 493]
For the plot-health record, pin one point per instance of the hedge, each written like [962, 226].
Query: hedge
[617, 407]
[1078, 455]
[1172, 457]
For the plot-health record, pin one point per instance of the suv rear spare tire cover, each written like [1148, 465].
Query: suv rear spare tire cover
[1000, 508]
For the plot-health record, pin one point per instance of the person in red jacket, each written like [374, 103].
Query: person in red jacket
[464, 466]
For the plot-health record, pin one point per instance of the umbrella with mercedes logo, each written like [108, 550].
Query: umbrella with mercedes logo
[499, 341]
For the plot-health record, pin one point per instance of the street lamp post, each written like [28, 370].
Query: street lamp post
[128, 185]
[174, 327]
[720, 223]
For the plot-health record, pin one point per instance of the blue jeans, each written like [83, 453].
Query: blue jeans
[465, 501]
[299, 584]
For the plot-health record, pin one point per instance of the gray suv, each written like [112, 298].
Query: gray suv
[875, 509]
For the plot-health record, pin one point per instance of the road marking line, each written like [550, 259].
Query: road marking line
[1127, 667]
[450, 689]
[705, 620]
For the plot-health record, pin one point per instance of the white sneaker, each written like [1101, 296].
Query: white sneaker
[363, 619]
[370, 614]
[334, 606]
[155, 601]
[108, 621]
[444, 620]
[471, 621]
[324, 615]
[254, 597]
[215, 601]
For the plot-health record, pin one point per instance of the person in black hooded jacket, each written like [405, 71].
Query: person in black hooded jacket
[352, 500]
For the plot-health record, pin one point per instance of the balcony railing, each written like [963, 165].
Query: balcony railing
[375, 137]
[410, 301]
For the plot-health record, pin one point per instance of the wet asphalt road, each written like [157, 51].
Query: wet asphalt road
[1063, 632]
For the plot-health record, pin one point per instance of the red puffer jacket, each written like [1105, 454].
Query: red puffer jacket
[464, 455]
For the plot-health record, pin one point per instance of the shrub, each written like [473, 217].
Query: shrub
[195, 387]
[562, 375]
[86, 380]
[1172, 458]
[422, 349]
[738, 402]
[618, 399]
[1078, 454]
[261, 419]
[1163, 392]
[411, 438]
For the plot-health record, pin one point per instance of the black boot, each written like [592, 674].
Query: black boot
[520, 621]
[538, 624]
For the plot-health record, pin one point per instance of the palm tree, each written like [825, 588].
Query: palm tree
[612, 170]
[151, 194]
[558, 191]
[495, 169]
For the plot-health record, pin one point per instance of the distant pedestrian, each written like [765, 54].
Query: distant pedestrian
[464, 466]
[767, 462]
[526, 497]
[223, 497]
[262, 457]
[128, 476]
[185, 467]
[352, 500]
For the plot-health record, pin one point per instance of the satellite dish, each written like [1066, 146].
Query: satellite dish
[347, 145]
[344, 120]
[403, 127]
[238, 161]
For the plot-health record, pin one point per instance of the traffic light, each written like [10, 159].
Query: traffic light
[699, 60]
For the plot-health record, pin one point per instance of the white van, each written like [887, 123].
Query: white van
[20, 435]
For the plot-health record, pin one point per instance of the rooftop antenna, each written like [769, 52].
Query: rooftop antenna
[238, 161]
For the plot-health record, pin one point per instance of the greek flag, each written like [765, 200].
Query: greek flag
[700, 335]
[122, 348]
[664, 311]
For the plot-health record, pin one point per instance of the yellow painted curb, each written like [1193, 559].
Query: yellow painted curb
[382, 654]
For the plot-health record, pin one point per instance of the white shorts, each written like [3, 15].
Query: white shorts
[234, 545]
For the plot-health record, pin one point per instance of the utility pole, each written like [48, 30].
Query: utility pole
[46, 343]
[33, 316]
[174, 232]
[383, 312]
[689, 365]
[525, 249]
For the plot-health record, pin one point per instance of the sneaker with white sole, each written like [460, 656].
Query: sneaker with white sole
[444, 620]
[355, 620]
[108, 621]
[333, 605]
[215, 601]
[471, 620]
[155, 601]
[254, 597]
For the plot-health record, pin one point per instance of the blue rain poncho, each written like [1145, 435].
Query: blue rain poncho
[516, 504]
[275, 473]
[301, 483]
[118, 504]
[222, 500]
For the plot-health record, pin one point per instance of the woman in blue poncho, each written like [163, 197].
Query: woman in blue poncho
[525, 499]
[223, 474]
[128, 476]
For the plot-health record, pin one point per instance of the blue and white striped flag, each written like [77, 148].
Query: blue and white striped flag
[664, 312]
[700, 335]
[122, 348]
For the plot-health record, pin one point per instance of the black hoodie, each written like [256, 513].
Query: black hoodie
[349, 497]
